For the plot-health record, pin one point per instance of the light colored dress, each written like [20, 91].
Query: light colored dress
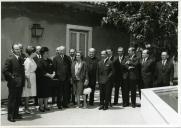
[30, 68]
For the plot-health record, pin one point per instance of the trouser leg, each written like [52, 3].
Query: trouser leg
[102, 93]
[116, 93]
[107, 93]
[133, 91]
[65, 93]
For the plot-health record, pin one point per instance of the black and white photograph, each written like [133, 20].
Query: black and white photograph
[90, 64]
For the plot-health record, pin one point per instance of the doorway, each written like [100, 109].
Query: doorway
[79, 38]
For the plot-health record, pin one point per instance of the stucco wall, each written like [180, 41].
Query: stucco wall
[16, 24]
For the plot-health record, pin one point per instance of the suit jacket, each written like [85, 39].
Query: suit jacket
[71, 59]
[164, 74]
[62, 67]
[112, 58]
[120, 69]
[132, 67]
[147, 72]
[104, 71]
[36, 59]
[83, 74]
[14, 71]
[92, 69]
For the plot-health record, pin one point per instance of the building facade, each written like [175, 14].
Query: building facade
[72, 24]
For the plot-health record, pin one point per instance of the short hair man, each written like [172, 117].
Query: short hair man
[120, 70]
[104, 78]
[15, 76]
[132, 63]
[62, 67]
[147, 69]
[164, 71]
[92, 62]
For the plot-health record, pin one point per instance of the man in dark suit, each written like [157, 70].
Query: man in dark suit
[36, 59]
[15, 76]
[38, 56]
[62, 68]
[147, 70]
[111, 58]
[164, 71]
[92, 62]
[104, 78]
[54, 88]
[72, 58]
[132, 63]
[119, 76]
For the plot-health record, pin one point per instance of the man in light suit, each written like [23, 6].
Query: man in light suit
[62, 68]
[15, 75]
[164, 71]
[104, 78]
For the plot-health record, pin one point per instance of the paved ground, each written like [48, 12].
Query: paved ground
[116, 115]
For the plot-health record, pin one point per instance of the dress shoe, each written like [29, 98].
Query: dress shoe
[11, 119]
[91, 104]
[105, 108]
[65, 106]
[133, 105]
[115, 103]
[41, 109]
[60, 107]
[101, 107]
[27, 111]
[138, 105]
[125, 105]
[18, 116]
[46, 109]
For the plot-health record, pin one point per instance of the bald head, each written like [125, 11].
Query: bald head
[38, 49]
[164, 55]
[57, 50]
[62, 50]
[92, 52]
[131, 51]
[21, 47]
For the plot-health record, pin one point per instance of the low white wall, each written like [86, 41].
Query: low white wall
[155, 111]
[4, 90]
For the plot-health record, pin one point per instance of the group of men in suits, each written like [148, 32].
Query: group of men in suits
[130, 72]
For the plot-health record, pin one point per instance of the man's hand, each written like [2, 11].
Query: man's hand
[86, 83]
[28, 83]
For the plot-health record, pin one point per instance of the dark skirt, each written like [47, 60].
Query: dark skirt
[44, 89]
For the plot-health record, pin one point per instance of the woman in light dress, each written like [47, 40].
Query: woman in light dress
[29, 90]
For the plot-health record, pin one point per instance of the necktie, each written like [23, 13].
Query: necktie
[163, 62]
[120, 59]
[19, 59]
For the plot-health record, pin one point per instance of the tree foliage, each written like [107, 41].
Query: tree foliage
[152, 22]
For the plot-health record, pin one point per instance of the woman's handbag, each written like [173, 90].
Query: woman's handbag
[87, 91]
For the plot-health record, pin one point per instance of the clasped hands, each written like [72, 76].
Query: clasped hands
[51, 75]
